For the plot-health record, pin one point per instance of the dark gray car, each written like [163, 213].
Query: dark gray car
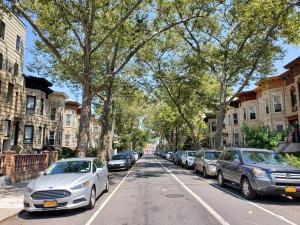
[258, 171]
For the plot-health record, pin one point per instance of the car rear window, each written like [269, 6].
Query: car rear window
[212, 155]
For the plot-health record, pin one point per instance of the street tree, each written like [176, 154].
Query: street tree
[89, 43]
[239, 42]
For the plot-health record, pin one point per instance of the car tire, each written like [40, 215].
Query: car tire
[220, 178]
[247, 191]
[204, 172]
[92, 201]
[195, 169]
[107, 185]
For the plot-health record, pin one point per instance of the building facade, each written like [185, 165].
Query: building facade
[273, 103]
[33, 117]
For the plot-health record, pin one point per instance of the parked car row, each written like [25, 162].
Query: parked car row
[124, 160]
[254, 171]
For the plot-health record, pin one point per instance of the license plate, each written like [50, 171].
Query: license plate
[290, 189]
[49, 204]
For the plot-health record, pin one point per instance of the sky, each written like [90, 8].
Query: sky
[292, 52]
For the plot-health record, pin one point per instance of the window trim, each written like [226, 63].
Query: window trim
[281, 110]
[8, 128]
[2, 28]
[70, 114]
[34, 105]
[18, 43]
[252, 107]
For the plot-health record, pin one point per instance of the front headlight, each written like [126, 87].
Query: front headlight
[259, 172]
[28, 189]
[81, 186]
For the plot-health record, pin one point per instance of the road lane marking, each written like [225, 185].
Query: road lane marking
[251, 203]
[200, 200]
[91, 220]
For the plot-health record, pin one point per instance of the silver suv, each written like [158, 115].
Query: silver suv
[258, 171]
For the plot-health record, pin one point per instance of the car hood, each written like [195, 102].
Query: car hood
[113, 162]
[277, 168]
[56, 181]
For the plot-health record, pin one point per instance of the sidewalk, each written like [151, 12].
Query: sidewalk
[11, 199]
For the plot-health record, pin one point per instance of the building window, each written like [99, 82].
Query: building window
[236, 139]
[68, 120]
[235, 119]
[245, 116]
[67, 139]
[18, 43]
[1, 62]
[52, 138]
[16, 69]
[277, 103]
[252, 111]
[213, 126]
[2, 29]
[10, 92]
[42, 106]
[16, 101]
[6, 128]
[30, 105]
[279, 127]
[293, 99]
[266, 106]
[53, 114]
[28, 134]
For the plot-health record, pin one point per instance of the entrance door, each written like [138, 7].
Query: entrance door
[16, 133]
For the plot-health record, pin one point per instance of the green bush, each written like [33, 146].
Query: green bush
[65, 153]
[262, 137]
[293, 160]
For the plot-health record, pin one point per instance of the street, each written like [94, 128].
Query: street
[155, 192]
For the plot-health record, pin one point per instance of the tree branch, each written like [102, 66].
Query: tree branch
[143, 43]
[116, 26]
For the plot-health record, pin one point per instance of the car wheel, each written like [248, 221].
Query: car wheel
[220, 178]
[247, 190]
[195, 169]
[92, 202]
[204, 173]
[107, 185]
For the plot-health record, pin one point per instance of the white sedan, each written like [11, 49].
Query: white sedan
[67, 184]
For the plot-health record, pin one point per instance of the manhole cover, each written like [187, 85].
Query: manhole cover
[174, 196]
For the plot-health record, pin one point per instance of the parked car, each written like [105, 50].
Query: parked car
[67, 184]
[188, 159]
[206, 162]
[163, 154]
[168, 155]
[119, 162]
[141, 154]
[136, 156]
[177, 158]
[130, 154]
[172, 156]
[258, 171]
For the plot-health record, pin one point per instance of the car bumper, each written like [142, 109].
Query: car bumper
[211, 170]
[116, 168]
[266, 186]
[77, 199]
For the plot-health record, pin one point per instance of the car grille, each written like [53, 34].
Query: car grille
[53, 194]
[287, 176]
[41, 206]
[287, 184]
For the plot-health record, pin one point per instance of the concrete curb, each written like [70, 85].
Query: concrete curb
[11, 216]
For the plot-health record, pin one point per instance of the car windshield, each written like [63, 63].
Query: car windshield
[262, 158]
[212, 155]
[119, 157]
[69, 167]
[191, 153]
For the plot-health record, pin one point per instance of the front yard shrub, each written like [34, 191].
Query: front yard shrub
[293, 160]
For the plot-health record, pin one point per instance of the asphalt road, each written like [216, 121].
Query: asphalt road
[155, 192]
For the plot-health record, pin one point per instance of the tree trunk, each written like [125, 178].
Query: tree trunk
[106, 125]
[84, 125]
[219, 127]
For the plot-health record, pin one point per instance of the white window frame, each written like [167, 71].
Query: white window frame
[68, 122]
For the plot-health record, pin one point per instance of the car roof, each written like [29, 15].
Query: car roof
[250, 149]
[211, 150]
[77, 159]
